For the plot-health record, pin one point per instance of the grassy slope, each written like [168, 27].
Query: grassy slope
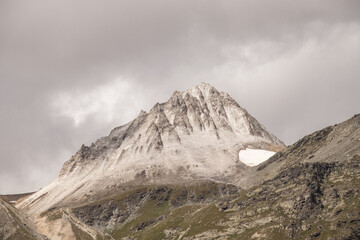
[158, 219]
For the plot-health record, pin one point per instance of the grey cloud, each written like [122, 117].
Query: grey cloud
[56, 46]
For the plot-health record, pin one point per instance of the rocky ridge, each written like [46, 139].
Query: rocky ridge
[331, 144]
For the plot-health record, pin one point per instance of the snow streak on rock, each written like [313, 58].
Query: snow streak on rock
[253, 157]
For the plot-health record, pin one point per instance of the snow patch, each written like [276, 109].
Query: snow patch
[253, 157]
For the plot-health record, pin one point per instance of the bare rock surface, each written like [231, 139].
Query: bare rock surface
[196, 134]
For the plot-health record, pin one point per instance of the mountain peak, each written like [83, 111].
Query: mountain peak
[176, 132]
[204, 86]
[204, 89]
[196, 134]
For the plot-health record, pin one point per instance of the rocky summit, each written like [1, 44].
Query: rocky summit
[196, 135]
[175, 173]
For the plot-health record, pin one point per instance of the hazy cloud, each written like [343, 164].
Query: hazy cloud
[114, 100]
[70, 71]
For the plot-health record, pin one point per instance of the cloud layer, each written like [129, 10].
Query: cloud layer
[70, 71]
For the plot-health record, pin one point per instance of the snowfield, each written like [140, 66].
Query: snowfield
[253, 157]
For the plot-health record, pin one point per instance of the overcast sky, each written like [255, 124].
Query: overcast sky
[71, 70]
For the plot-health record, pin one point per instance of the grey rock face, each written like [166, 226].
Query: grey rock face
[199, 112]
[196, 134]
